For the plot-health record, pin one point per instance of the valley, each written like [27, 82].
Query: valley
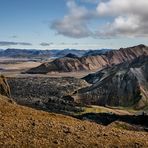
[73, 73]
[123, 84]
[104, 104]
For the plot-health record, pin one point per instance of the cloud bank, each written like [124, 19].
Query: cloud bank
[46, 44]
[123, 18]
[6, 43]
[130, 18]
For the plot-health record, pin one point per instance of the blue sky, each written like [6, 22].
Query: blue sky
[81, 24]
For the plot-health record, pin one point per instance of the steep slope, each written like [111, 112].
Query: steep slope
[121, 85]
[97, 62]
[4, 87]
[24, 127]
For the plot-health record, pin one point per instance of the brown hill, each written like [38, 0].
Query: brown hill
[120, 85]
[69, 64]
[25, 127]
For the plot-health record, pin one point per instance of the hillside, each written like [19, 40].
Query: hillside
[120, 85]
[89, 63]
[25, 127]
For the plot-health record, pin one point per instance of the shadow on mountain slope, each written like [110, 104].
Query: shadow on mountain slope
[106, 118]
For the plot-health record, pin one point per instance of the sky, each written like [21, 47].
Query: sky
[79, 24]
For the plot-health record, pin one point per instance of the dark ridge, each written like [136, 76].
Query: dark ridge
[70, 55]
[108, 118]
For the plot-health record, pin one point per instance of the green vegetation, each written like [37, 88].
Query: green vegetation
[107, 109]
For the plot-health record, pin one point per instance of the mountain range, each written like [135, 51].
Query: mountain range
[54, 53]
[92, 62]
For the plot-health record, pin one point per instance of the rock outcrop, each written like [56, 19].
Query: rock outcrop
[120, 85]
[69, 64]
[4, 87]
[46, 93]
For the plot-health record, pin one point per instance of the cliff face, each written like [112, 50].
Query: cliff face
[121, 85]
[4, 87]
[97, 62]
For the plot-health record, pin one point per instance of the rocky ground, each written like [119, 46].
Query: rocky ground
[51, 94]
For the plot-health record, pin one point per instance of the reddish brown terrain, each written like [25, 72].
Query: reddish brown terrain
[71, 64]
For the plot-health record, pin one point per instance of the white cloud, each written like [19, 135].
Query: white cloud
[120, 7]
[128, 18]
[75, 23]
[8, 43]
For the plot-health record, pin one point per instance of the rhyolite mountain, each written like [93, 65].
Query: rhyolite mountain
[97, 62]
[124, 84]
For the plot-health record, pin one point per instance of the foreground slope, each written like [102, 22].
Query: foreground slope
[68, 64]
[121, 85]
[25, 127]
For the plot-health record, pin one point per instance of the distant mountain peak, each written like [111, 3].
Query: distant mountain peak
[70, 55]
